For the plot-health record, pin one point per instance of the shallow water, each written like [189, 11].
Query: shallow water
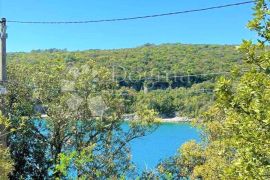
[163, 143]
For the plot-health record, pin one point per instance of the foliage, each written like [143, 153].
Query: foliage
[77, 160]
[84, 96]
[28, 150]
[189, 102]
[236, 127]
[153, 65]
[6, 163]
[83, 109]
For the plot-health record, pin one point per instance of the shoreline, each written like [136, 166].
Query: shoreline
[175, 120]
[129, 117]
[162, 120]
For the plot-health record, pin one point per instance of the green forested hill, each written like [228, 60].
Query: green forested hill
[186, 71]
[62, 113]
[176, 58]
[155, 61]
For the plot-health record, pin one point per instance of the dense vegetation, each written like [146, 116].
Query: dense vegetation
[82, 127]
[50, 82]
[237, 126]
[85, 100]
[6, 163]
[64, 110]
[153, 66]
[183, 102]
[188, 72]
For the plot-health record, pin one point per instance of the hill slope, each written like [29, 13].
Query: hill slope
[155, 64]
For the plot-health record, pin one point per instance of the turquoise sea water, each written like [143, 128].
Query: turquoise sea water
[163, 143]
[149, 150]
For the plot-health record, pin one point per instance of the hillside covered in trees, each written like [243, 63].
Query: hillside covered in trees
[187, 72]
[63, 114]
[136, 65]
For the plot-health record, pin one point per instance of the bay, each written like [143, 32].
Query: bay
[163, 143]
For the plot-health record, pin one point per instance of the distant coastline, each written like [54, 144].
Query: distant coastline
[130, 117]
[175, 120]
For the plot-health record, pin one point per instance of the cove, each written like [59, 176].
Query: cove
[163, 143]
[149, 150]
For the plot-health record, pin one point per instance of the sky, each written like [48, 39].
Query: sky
[222, 26]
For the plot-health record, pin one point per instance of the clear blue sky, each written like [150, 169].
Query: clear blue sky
[222, 26]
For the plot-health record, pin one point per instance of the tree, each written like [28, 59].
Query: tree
[247, 105]
[27, 146]
[6, 163]
[237, 126]
[82, 130]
